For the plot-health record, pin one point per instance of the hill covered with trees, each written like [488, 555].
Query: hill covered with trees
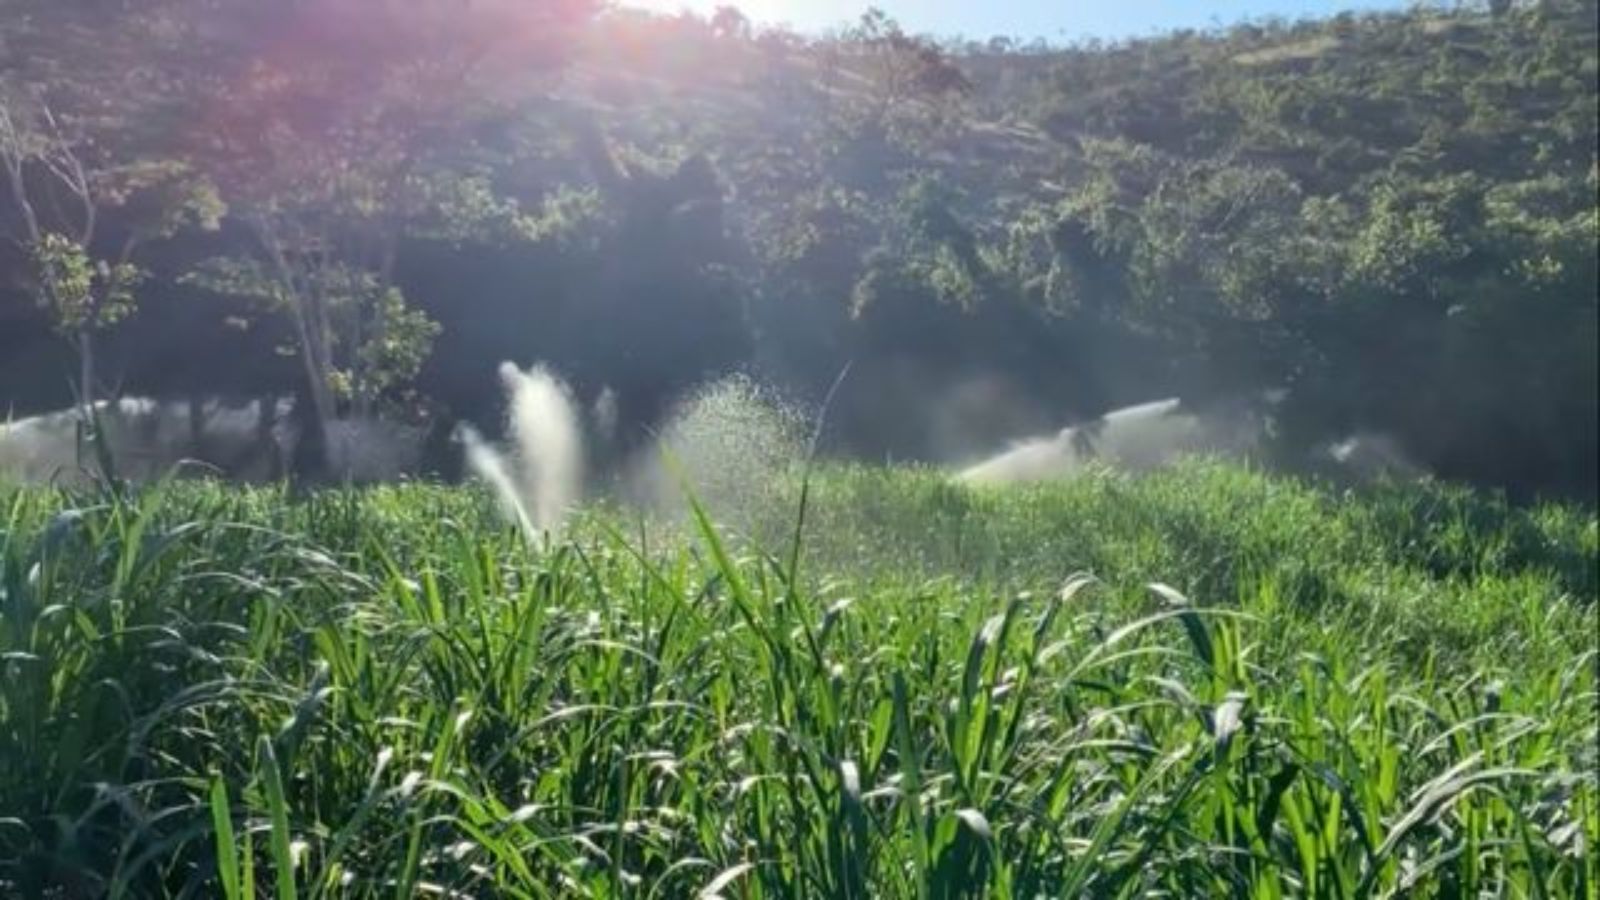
[369, 205]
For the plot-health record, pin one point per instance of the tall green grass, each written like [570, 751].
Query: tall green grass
[922, 691]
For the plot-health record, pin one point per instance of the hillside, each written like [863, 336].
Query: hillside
[1390, 214]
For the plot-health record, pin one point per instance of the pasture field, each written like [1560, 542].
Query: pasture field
[912, 689]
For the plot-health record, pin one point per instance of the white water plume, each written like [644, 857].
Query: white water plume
[1368, 456]
[490, 465]
[1135, 438]
[541, 479]
[148, 440]
[729, 444]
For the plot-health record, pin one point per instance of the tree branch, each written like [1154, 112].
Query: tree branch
[13, 158]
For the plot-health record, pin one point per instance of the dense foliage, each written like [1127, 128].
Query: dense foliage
[371, 204]
[211, 691]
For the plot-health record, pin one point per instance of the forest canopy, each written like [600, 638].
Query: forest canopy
[368, 205]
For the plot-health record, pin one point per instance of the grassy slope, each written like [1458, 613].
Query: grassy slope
[1371, 693]
[1335, 104]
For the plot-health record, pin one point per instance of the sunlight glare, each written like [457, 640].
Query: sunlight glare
[805, 14]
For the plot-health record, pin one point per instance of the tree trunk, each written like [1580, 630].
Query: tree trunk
[267, 437]
[89, 430]
[197, 428]
[312, 327]
[85, 342]
[317, 388]
[308, 462]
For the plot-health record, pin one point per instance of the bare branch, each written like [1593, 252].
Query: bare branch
[14, 157]
[129, 245]
[63, 161]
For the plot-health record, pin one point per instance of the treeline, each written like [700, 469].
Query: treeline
[369, 205]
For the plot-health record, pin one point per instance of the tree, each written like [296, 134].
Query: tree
[662, 312]
[730, 22]
[907, 75]
[60, 200]
[354, 119]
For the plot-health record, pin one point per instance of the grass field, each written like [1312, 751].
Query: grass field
[924, 691]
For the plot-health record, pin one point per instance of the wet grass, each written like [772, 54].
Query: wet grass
[1204, 683]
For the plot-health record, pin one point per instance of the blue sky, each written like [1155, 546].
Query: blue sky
[1053, 19]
